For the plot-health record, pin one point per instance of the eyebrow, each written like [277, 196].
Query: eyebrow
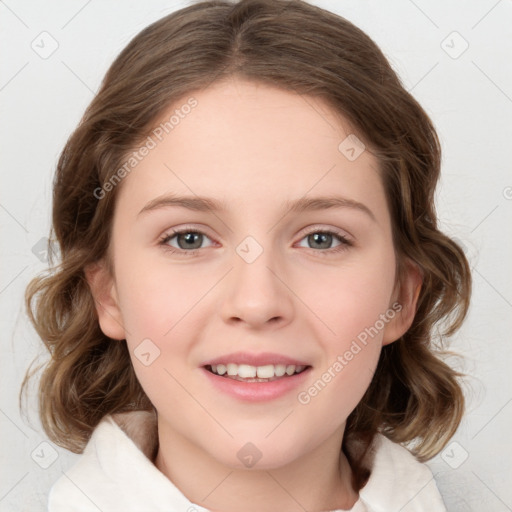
[203, 204]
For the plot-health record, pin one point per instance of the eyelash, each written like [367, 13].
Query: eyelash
[344, 242]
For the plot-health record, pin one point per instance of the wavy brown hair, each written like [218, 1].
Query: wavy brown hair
[301, 48]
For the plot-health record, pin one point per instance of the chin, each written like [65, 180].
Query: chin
[256, 455]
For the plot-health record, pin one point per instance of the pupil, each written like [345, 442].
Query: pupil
[191, 240]
[323, 240]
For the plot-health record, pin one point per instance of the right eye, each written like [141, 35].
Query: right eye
[185, 241]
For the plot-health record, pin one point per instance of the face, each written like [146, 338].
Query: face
[262, 271]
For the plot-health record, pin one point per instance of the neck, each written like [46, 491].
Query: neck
[317, 481]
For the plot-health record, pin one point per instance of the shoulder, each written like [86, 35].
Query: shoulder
[75, 484]
[111, 463]
[92, 477]
[116, 471]
[398, 481]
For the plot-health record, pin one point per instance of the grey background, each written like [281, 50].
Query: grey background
[466, 91]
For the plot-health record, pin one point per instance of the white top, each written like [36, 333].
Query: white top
[115, 474]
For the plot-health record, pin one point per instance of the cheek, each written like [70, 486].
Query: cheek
[155, 299]
[337, 390]
[164, 309]
[350, 355]
[350, 330]
[351, 298]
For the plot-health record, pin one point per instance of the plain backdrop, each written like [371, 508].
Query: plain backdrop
[455, 58]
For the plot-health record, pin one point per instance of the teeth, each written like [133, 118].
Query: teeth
[290, 370]
[246, 371]
[232, 369]
[279, 370]
[265, 372]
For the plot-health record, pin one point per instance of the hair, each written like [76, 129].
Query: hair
[414, 395]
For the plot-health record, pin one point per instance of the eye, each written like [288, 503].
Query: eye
[323, 240]
[185, 240]
[188, 241]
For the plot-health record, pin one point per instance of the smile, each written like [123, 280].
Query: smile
[248, 373]
[245, 384]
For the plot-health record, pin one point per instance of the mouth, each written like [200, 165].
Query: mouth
[249, 373]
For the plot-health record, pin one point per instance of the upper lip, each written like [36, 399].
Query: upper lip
[260, 359]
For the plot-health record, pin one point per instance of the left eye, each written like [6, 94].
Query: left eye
[324, 239]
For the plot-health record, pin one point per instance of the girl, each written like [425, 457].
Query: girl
[251, 274]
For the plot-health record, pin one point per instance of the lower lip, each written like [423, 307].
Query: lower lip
[257, 391]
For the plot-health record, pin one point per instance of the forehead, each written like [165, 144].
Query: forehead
[253, 145]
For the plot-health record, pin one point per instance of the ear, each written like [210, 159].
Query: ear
[104, 292]
[404, 302]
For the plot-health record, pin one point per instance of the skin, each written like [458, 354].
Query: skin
[253, 147]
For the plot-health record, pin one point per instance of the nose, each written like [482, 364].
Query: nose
[257, 293]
